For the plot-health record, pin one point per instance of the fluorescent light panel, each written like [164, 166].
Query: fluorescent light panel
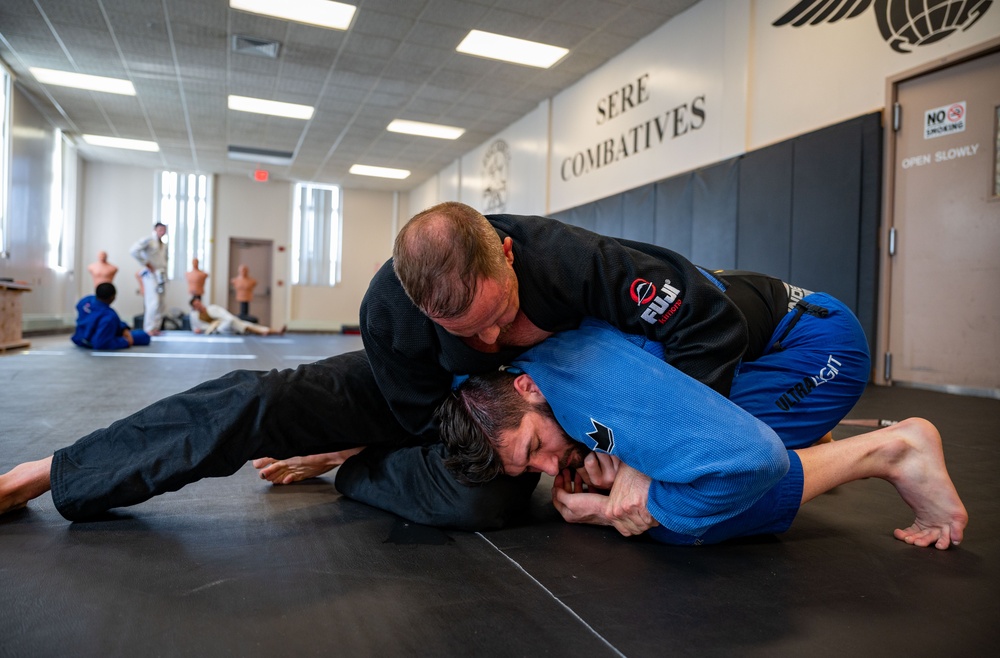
[82, 81]
[379, 172]
[509, 49]
[120, 143]
[324, 13]
[273, 108]
[425, 129]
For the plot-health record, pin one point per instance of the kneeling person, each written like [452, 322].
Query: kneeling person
[694, 467]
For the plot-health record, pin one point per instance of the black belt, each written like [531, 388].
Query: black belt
[801, 308]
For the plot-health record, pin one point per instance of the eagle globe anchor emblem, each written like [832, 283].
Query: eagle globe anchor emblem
[904, 24]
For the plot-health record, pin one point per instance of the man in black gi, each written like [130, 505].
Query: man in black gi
[561, 274]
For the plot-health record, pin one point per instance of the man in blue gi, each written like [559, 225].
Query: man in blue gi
[681, 461]
[98, 327]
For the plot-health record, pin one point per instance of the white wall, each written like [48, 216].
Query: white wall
[370, 224]
[506, 174]
[33, 141]
[815, 75]
[245, 208]
[117, 211]
[755, 84]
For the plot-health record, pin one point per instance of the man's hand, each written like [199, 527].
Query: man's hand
[599, 470]
[624, 508]
[627, 504]
[127, 335]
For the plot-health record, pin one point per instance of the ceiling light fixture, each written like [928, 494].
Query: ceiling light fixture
[82, 81]
[274, 108]
[379, 172]
[120, 143]
[509, 49]
[425, 129]
[324, 13]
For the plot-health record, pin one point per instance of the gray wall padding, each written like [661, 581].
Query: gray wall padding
[805, 210]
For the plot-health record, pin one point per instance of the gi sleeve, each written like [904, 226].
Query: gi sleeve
[403, 350]
[140, 251]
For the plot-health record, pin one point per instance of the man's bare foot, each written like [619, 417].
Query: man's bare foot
[23, 483]
[919, 474]
[294, 469]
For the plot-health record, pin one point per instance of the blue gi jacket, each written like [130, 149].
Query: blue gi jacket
[98, 326]
[709, 459]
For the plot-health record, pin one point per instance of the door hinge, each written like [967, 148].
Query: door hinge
[897, 116]
[887, 374]
[892, 241]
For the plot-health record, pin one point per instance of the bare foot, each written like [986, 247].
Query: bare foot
[921, 478]
[23, 483]
[294, 469]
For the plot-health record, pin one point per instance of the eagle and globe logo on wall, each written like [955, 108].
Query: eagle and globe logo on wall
[904, 24]
[495, 174]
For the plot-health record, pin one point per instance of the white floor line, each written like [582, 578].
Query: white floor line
[194, 338]
[554, 597]
[164, 355]
[43, 352]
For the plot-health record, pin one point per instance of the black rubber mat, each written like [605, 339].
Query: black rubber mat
[236, 567]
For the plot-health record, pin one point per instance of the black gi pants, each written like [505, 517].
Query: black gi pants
[213, 429]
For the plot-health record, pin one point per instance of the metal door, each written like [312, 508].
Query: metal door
[944, 291]
[256, 255]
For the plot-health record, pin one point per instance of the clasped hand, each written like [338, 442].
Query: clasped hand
[604, 491]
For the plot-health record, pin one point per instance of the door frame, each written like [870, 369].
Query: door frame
[888, 220]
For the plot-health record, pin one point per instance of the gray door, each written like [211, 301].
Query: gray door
[256, 255]
[944, 292]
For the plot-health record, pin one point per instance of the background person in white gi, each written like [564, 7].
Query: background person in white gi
[151, 253]
[214, 319]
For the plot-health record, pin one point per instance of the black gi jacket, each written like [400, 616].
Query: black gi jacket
[565, 273]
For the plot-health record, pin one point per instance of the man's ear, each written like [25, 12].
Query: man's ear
[508, 250]
[528, 389]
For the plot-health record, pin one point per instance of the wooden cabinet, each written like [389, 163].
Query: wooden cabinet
[10, 316]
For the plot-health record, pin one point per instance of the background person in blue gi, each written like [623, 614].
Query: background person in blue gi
[694, 466]
[151, 253]
[99, 327]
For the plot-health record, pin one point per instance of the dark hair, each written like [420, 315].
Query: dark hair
[158, 225]
[194, 299]
[105, 292]
[472, 419]
[442, 253]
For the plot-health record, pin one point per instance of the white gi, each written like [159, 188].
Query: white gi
[222, 322]
[152, 253]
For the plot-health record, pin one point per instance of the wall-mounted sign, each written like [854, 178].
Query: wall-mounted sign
[944, 120]
[903, 23]
[673, 102]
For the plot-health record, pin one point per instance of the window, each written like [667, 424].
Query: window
[316, 233]
[185, 208]
[5, 102]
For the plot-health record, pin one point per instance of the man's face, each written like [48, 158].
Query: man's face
[493, 310]
[539, 445]
[160, 231]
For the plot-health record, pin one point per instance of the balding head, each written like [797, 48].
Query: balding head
[441, 254]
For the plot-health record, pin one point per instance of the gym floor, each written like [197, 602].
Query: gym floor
[238, 567]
